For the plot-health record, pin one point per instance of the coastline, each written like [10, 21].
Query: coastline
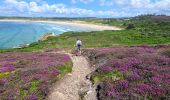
[45, 36]
[70, 23]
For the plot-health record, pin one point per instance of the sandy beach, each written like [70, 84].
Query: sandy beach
[73, 23]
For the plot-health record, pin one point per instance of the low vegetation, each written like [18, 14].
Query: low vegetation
[141, 30]
[28, 76]
[125, 68]
[131, 72]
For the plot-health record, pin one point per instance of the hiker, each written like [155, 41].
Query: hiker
[78, 46]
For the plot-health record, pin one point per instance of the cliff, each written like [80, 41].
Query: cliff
[46, 36]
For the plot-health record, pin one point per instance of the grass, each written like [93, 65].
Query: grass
[64, 69]
[146, 30]
[101, 77]
[67, 68]
[96, 39]
[33, 89]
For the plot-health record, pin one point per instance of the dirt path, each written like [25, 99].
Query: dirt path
[74, 86]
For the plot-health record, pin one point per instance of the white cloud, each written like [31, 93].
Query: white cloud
[83, 1]
[11, 1]
[45, 8]
[112, 2]
[17, 5]
[139, 6]
[74, 1]
[137, 3]
[34, 7]
[106, 3]
[123, 8]
[86, 1]
[162, 4]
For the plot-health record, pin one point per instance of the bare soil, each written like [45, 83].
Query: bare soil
[75, 85]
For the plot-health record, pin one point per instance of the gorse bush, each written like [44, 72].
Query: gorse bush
[130, 26]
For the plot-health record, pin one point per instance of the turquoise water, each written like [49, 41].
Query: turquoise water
[15, 34]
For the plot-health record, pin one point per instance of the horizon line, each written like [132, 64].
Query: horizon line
[81, 16]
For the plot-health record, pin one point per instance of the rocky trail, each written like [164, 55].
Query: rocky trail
[75, 85]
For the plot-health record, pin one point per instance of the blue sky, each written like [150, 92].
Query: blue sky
[83, 8]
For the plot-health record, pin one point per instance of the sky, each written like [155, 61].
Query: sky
[83, 8]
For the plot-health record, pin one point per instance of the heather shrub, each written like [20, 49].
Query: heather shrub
[144, 72]
[166, 52]
[28, 76]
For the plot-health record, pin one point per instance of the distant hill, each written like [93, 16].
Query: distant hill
[161, 18]
[153, 17]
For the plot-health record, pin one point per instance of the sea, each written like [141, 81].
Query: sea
[16, 34]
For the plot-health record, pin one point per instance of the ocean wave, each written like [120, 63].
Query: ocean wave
[17, 33]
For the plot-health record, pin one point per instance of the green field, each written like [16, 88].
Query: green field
[141, 30]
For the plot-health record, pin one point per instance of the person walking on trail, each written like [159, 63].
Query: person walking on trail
[78, 46]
